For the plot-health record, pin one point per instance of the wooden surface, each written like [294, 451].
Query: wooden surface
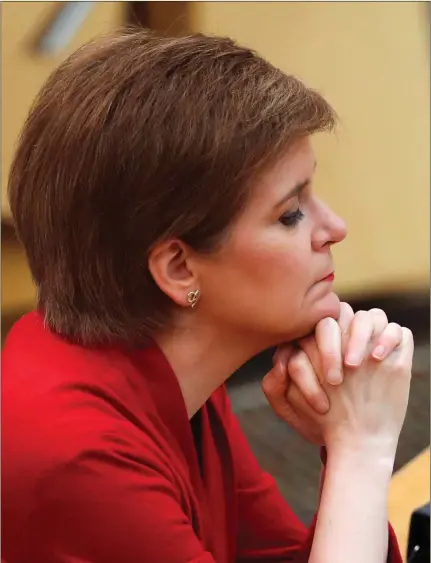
[410, 489]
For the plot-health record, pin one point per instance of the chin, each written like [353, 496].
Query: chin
[328, 306]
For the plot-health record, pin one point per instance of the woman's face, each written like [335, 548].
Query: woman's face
[267, 282]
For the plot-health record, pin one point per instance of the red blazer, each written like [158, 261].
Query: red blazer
[99, 465]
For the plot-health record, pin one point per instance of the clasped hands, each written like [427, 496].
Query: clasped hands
[307, 373]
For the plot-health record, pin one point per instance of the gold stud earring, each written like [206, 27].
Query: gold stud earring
[193, 297]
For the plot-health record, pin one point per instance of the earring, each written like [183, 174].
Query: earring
[193, 297]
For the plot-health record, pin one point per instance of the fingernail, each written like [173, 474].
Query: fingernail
[335, 377]
[379, 352]
[353, 360]
[323, 405]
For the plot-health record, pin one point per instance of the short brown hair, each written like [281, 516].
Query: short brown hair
[133, 139]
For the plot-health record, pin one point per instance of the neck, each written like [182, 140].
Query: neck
[203, 360]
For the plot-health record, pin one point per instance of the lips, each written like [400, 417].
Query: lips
[329, 278]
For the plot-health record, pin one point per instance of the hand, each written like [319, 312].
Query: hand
[327, 358]
[293, 380]
[357, 331]
[288, 400]
[368, 409]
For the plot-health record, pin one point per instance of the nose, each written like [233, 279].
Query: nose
[330, 229]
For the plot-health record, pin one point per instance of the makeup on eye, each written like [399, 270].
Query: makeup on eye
[291, 218]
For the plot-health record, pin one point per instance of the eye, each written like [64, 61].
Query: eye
[292, 218]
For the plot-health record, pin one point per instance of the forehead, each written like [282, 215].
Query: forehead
[295, 166]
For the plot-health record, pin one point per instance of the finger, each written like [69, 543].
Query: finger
[401, 359]
[275, 385]
[277, 393]
[309, 346]
[328, 339]
[407, 347]
[296, 402]
[390, 338]
[283, 353]
[364, 328]
[360, 333]
[344, 320]
[301, 373]
[380, 321]
[345, 317]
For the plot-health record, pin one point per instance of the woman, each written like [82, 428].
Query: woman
[162, 189]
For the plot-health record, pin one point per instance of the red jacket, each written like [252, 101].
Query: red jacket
[99, 465]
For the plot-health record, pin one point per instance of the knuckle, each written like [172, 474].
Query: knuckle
[269, 386]
[378, 312]
[266, 387]
[294, 396]
[330, 355]
[331, 360]
[347, 308]
[408, 337]
[326, 324]
[407, 333]
[308, 343]
[295, 373]
[315, 395]
[362, 322]
[361, 314]
[296, 362]
[379, 318]
[392, 332]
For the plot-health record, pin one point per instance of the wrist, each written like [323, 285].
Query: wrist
[376, 454]
[377, 447]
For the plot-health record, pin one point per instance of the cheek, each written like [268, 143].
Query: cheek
[275, 262]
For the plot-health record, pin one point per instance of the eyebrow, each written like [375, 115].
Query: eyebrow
[295, 192]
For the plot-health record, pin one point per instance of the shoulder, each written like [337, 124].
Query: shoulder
[61, 402]
[84, 439]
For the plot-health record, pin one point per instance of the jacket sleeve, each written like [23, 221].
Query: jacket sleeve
[269, 531]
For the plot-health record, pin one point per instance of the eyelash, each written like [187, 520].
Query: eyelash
[292, 219]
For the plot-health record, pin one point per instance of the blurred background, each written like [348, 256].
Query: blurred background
[371, 60]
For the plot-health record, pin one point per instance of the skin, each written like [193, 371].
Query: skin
[262, 288]
[361, 432]
[246, 305]
[297, 381]
[330, 380]
[293, 384]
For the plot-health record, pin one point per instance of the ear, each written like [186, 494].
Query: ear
[171, 265]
